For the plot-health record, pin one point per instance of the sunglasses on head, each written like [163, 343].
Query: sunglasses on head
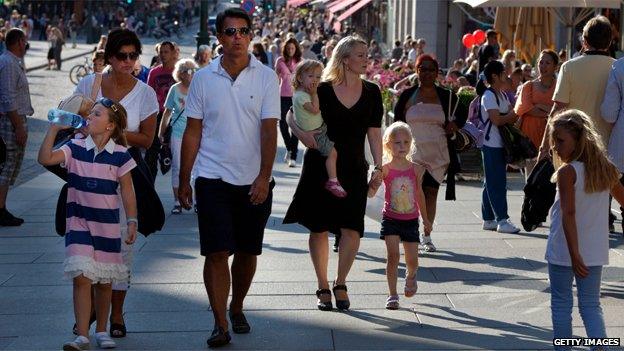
[108, 103]
[122, 56]
[230, 32]
[190, 71]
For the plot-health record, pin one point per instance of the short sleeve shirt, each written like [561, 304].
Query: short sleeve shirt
[488, 102]
[231, 112]
[305, 120]
[581, 84]
[176, 101]
[160, 79]
[139, 103]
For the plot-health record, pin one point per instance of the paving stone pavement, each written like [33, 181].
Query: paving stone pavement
[480, 290]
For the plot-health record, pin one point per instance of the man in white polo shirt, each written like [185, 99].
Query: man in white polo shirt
[230, 140]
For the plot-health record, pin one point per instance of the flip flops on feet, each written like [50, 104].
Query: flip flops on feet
[239, 323]
[411, 286]
[219, 337]
[392, 302]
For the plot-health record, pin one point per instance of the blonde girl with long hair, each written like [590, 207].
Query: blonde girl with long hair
[404, 203]
[578, 242]
[352, 109]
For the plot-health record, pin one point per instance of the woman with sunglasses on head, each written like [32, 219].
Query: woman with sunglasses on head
[174, 115]
[123, 48]
[429, 110]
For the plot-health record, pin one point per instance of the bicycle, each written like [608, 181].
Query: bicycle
[80, 70]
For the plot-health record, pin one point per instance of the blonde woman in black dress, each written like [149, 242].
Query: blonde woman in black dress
[352, 109]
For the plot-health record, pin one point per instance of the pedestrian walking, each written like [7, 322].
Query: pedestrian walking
[160, 78]
[175, 117]
[352, 109]
[122, 49]
[73, 26]
[578, 242]
[490, 50]
[404, 203]
[612, 113]
[93, 242]
[496, 111]
[15, 105]
[230, 141]
[58, 41]
[203, 56]
[285, 68]
[582, 81]
[430, 111]
[535, 102]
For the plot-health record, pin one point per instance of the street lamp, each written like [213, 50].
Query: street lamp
[202, 36]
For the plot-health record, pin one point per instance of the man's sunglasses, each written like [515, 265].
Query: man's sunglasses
[122, 56]
[230, 32]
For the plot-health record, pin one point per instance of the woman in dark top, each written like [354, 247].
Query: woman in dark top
[352, 109]
[434, 114]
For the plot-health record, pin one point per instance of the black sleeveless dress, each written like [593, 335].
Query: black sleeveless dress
[316, 208]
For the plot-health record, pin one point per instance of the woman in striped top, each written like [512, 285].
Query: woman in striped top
[98, 166]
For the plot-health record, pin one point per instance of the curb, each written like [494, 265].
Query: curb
[34, 68]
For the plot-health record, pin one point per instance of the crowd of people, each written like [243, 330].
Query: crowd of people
[218, 114]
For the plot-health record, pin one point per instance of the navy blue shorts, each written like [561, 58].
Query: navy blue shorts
[228, 221]
[406, 229]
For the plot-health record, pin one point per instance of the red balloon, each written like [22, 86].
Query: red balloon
[479, 36]
[468, 40]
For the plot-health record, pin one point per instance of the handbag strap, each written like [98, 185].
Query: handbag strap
[97, 83]
[172, 122]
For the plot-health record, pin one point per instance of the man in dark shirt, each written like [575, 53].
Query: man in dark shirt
[490, 50]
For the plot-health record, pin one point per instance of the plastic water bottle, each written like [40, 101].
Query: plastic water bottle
[65, 118]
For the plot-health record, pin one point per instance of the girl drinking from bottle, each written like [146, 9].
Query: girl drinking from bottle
[97, 167]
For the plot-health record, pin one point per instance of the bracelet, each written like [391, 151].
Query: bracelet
[132, 220]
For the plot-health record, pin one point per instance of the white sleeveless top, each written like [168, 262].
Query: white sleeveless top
[591, 224]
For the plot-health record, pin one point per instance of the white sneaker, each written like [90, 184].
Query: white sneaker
[104, 340]
[489, 225]
[505, 226]
[428, 244]
[292, 163]
[79, 343]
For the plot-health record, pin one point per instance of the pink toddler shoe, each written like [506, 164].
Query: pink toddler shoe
[335, 188]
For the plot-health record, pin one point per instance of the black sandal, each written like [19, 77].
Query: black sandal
[219, 337]
[324, 306]
[342, 305]
[117, 330]
[91, 320]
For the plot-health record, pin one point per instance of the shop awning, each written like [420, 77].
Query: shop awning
[353, 9]
[338, 6]
[297, 3]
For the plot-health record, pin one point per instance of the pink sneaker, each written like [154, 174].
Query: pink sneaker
[335, 188]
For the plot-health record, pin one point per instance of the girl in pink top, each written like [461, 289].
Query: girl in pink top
[285, 68]
[404, 202]
[98, 167]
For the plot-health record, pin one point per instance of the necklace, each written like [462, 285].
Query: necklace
[546, 87]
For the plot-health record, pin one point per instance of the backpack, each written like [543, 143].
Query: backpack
[476, 126]
[539, 195]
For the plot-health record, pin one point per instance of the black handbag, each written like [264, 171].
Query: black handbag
[165, 154]
[518, 147]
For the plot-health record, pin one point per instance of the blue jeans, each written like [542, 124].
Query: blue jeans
[588, 291]
[494, 199]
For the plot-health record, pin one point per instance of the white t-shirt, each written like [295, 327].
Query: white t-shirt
[139, 103]
[488, 102]
[591, 225]
[231, 114]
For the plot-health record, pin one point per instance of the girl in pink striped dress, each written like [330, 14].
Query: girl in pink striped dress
[97, 166]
